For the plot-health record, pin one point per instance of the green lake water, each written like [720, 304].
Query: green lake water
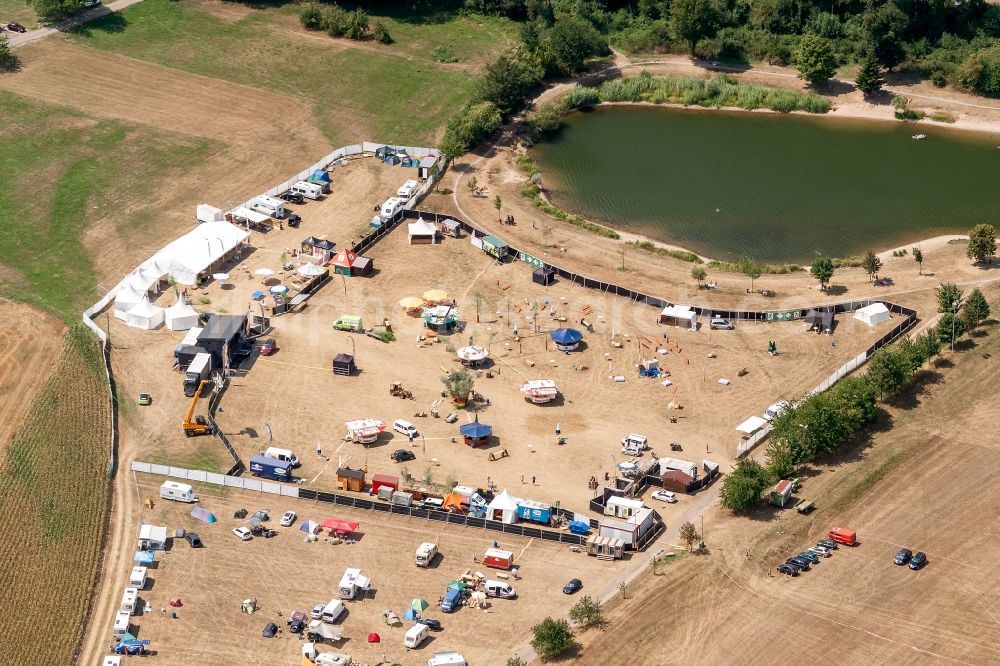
[776, 187]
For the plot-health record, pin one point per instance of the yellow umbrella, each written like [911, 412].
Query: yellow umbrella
[411, 302]
[435, 295]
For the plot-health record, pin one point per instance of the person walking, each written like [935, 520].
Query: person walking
[532, 479]
[319, 451]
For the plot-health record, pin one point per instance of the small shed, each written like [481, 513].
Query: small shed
[495, 247]
[873, 314]
[543, 276]
[605, 548]
[476, 434]
[503, 508]
[679, 315]
[152, 537]
[343, 364]
[676, 481]
[343, 261]
[363, 266]
[421, 232]
[781, 493]
[450, 227]
[318, 248]
[351, 479]
[426, 168]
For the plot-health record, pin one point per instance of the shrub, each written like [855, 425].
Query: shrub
[551, 637]
[380, 33]
[334, 21]
[311, 17]
[981, 72]
[443, 54]
[470, 126]
[548, 118]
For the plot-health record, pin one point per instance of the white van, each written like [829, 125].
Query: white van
[498, 588]
[308, 190]
[775, 410]
[179, 492]
[391, 206]
[633, 444]
[405, 428]
[275, 453]
[447, 659]
[415, 635]
[333, 610]
[269, 206]
[406, 191]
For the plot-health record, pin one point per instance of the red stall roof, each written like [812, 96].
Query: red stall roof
[338, 525]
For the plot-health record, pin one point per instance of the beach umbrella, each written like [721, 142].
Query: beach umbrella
[257, 295]
[566, 336]
[472, 354]
[310, 270]
[264, 272]
[419, 604]
[411, 615]
[435, 295]
[279, 290]
[411, 302]
[457, 585]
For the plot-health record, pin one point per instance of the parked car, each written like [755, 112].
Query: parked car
[432, 624]
[90, 4]
[242, 533]
[801, 563]
[287, 518]
[145, 399]
[293, 197]
[293, 220]
[918, 561]
[902, 557]
[573, 586]
[194, 540]
[775, 410]
[788, 569]
[827, 543]
[821, 551]
[405, 428]
[664, 496]
[806, 555]
[317, 611]
[719, 323]
[132, 648]
[402, 455]
[269, 347]
[16, 27]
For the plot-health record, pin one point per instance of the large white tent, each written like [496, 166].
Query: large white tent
[180, 316]
[194, 252]
[873, 314]
[503, 508]
[144, 315]
[143, 280]
[422, 231]
[126, 298]
[681, 314]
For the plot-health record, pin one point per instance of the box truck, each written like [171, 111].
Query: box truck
[352, 584]
[415, 635]
[426, 552]
[843, 535]
[269, 468]
[178, 492]
[198, 370]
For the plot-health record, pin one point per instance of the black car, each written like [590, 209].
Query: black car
[293, 220]
[16, 27]
[800, 562]
[902, 557]
[193, 539]
[402, 455]
[432, 624]
[788, 569]
[270, 630]
[297, 626]
[293, 197]
[918, 561]
[573, 586]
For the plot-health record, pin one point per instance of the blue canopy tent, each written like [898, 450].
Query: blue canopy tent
[144, 557]
[566, 339]
[476, 433]
[411, 615]
[321, 178]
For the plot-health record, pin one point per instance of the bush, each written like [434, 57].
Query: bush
[683, 255]
[548, 118]
[380, 33]
[551, 638]
[356, 26]
[334, 21]
[470, 126]
[742, 488]
[311, 17]
[981, 72]
[443, 54]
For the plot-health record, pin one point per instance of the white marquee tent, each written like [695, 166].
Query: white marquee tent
[503, 508]
[142, 280]
[144, 315]
[180, 316]
[126, 298]
[422, 230]
[873, 314]
[751, 425]
[197, 250]
[680, 314]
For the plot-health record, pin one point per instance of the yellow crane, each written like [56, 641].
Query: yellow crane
[196, 425]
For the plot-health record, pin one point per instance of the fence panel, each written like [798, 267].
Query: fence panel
[138, 466]
[251, 484]
[217, 479]
[289, 491]
[234, 481]
[197, 475]
[162, 470]
[272, 488]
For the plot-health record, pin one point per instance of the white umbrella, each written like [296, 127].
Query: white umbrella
[264, 272]
[472, 353]
[310, 270]
[278, 290]
[220, 277]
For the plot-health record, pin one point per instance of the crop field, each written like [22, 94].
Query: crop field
[53, 499]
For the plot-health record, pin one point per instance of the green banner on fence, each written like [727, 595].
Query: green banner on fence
[787, 315]
[530, 260]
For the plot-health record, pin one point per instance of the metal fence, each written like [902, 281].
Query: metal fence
[214, 478]
[213, 406]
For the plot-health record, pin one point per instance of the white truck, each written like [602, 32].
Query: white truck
[179, 492]
[333, 610]
[286, 455]
[353, 584]
[198, 370]
[426, 552]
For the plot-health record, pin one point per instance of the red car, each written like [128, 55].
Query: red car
[16, 27]
[269, 347]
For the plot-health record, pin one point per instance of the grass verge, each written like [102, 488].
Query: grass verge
[870, 478]
[53, 500]
[682, 255]
[766, 269]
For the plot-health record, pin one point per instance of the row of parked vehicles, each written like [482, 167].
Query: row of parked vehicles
[837, 537]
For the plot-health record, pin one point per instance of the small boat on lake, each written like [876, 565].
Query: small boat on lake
[919, 137]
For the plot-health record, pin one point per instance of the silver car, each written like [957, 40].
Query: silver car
[821, 551]
[719, 323]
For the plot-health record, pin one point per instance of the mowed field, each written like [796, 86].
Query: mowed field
[927, 483]
[53, 495]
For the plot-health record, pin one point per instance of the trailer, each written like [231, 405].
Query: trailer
[535, 512]
[122, 621]
[269, 206]
[200, 367]
[391, 206]
[352, 584]
[178, 492]
[129, 599]
[498, 559]
[269, 468]
[539, 391]
[400, 498]
[364, 431]
[137, 578]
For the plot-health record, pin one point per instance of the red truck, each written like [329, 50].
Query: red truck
[843, 535]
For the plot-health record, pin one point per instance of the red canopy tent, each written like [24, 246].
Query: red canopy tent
[338, 525]
[343, 261]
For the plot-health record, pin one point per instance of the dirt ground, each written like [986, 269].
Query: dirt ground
[285, 573]
[29, 344]
[932, 489]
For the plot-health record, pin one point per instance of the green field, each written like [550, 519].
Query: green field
[392, 93]
[19, 11]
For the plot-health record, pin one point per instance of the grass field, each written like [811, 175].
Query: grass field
[53, 490]
[19, 11]
[354, 90]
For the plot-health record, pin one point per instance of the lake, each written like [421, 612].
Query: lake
[776, 187]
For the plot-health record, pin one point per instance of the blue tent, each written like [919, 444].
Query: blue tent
[411, 615]
[319, 176]
[566, 339]
[476, 433]
[144, 557]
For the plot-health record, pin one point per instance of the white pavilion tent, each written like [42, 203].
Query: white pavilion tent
[873, 314]
[421, 230]
[180, 316]
[503, 508]
[126, 298]
[196, 251]
[144, 315]
[681, 314]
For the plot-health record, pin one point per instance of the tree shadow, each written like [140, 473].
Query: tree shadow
[909, 397]
[107, 21]
[835, 88]
[965, 344]
[836, 290]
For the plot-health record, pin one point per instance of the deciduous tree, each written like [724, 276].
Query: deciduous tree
[693, 20]
[872, 265]
[975, 309]
[688, 534]
[750, 267]
[918, 256]
[742, 488]
[982, 242]
[551, 638]
[587, 613]
[950, 328]
[948, 294]
[814, 59]
[699, 274]
[887, 371]
[822, 270]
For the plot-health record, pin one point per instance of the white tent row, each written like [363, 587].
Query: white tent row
[144, 315]
[126, 298]
[184, 258]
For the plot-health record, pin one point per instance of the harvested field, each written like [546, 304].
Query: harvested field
[53, 501]
[926, 483]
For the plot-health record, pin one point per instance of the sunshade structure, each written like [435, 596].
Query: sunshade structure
[412, 305]
[820, 320]
[278, 290]
[344, 261]
[751, 425]
[264, 272]
[454, 501]
[476, 433]
[310, 527]
[391, 618]
[419, 605]
[203, 514]
[472, 355]
[503, 508]
[197, 251]
[144, 315]
[628, 467]
[457, 585]
[873, 314]
[220, 277]
[411, 615]
[421, 232]
[543, 276]
[435, 295]
[180, 317]
[338, 525]
[566, 339]
[311, 270]
[440, 318]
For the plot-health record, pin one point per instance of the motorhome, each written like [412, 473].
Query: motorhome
[269, 206]
[308, 190]
[130, 598]
[122, 621]
[281, 454]
[179, 492]
[391, 206]
[353, 584]
[415, 635]
[333, 610]
[426, 552]
[406, 190]
[137, 578]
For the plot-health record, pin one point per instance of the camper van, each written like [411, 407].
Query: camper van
[333, 610]
[122, 621]
[281, 454]
[447, 659]
[633, 444]
[352, 584]
[308, 190]
[498, 588]
[406, 191]
[391, 206]
[415, 635]
[269, 206]
[426, 552]
[179, 492]
[198, 370]
[137, 578]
